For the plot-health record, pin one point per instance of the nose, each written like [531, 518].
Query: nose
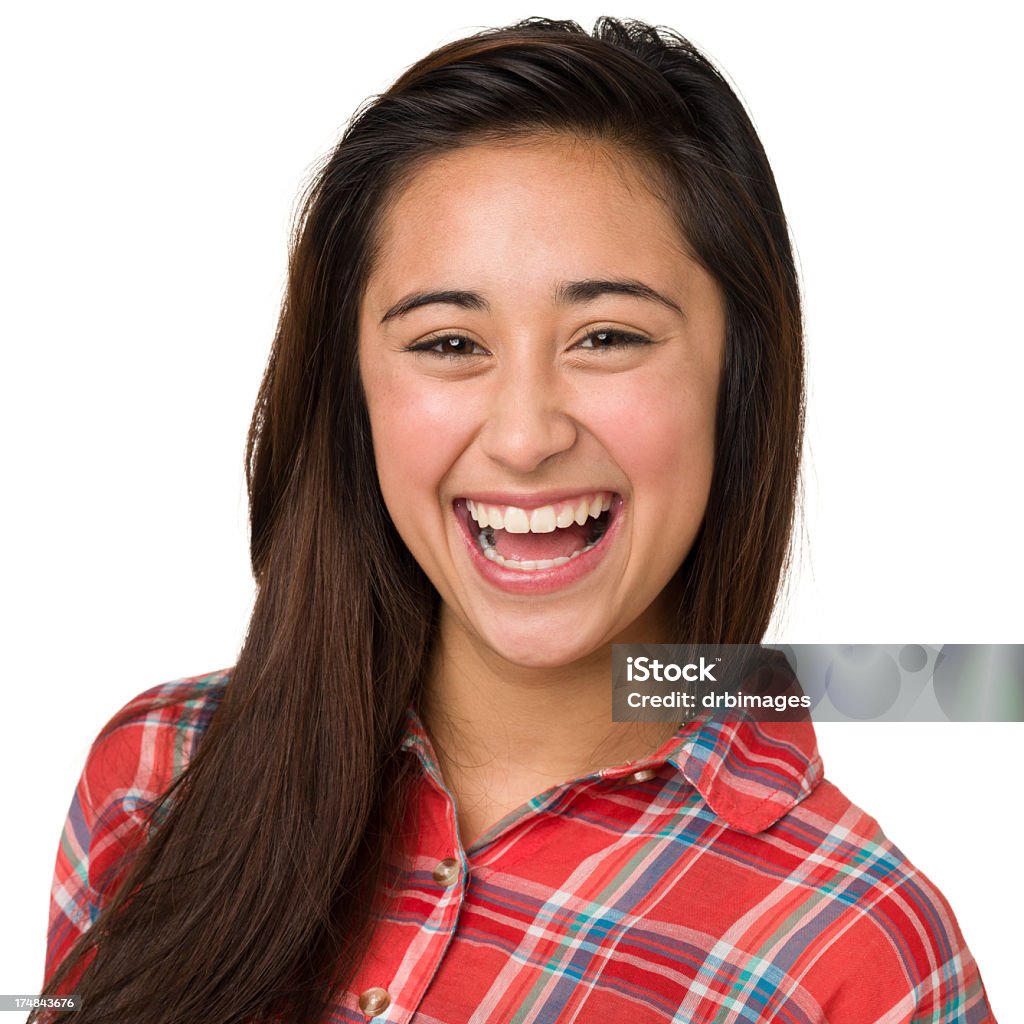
[528, 420]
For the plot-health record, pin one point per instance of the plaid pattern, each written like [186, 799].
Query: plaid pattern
[720, 879]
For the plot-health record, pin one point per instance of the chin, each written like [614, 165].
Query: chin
[542, 647]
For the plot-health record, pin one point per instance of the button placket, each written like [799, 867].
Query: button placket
[438, 865]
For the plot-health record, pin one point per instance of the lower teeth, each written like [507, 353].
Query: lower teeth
[486, 540]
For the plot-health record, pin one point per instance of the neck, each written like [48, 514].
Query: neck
[504, 733]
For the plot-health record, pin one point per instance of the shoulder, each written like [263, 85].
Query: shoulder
[806, 888]
[878, 940]
[136, 757]
[147, 744]
[149, 741]
[177, 712]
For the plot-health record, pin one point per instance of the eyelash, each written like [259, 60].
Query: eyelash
[628, 338]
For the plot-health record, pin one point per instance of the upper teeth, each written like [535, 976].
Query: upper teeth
[540, 520]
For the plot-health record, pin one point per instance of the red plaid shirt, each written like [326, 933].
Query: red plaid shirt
[719, 879]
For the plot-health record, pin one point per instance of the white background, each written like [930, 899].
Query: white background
[152, 155]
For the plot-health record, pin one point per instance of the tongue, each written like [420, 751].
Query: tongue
[536, 547]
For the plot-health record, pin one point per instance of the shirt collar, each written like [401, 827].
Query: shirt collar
[749, 773]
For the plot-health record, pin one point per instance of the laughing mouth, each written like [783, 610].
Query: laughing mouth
[529, 540]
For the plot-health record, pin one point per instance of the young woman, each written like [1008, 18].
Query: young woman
[536, 389]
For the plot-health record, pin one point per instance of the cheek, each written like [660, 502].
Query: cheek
[660, 431]
[418, 433]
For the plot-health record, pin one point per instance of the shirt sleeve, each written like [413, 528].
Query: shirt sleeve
[869, 937]
[130, 765]
[73, 903]
[924, 938]
[104, 822]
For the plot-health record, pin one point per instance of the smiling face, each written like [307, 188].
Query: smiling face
[541, 363]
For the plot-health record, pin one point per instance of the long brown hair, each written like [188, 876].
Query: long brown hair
[253, 897]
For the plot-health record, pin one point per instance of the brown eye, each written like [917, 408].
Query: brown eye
[607, 338]
[450, 346]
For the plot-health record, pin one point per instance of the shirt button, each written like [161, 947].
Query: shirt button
[642, 776]
[446, 871]
[374, 1001]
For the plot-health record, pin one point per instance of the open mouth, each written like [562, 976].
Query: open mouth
[531, 540]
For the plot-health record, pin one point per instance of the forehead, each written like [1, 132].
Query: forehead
[524, 212]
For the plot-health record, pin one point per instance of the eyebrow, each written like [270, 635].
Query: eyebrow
[574, 293]
[584, 291]
[465, 300]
